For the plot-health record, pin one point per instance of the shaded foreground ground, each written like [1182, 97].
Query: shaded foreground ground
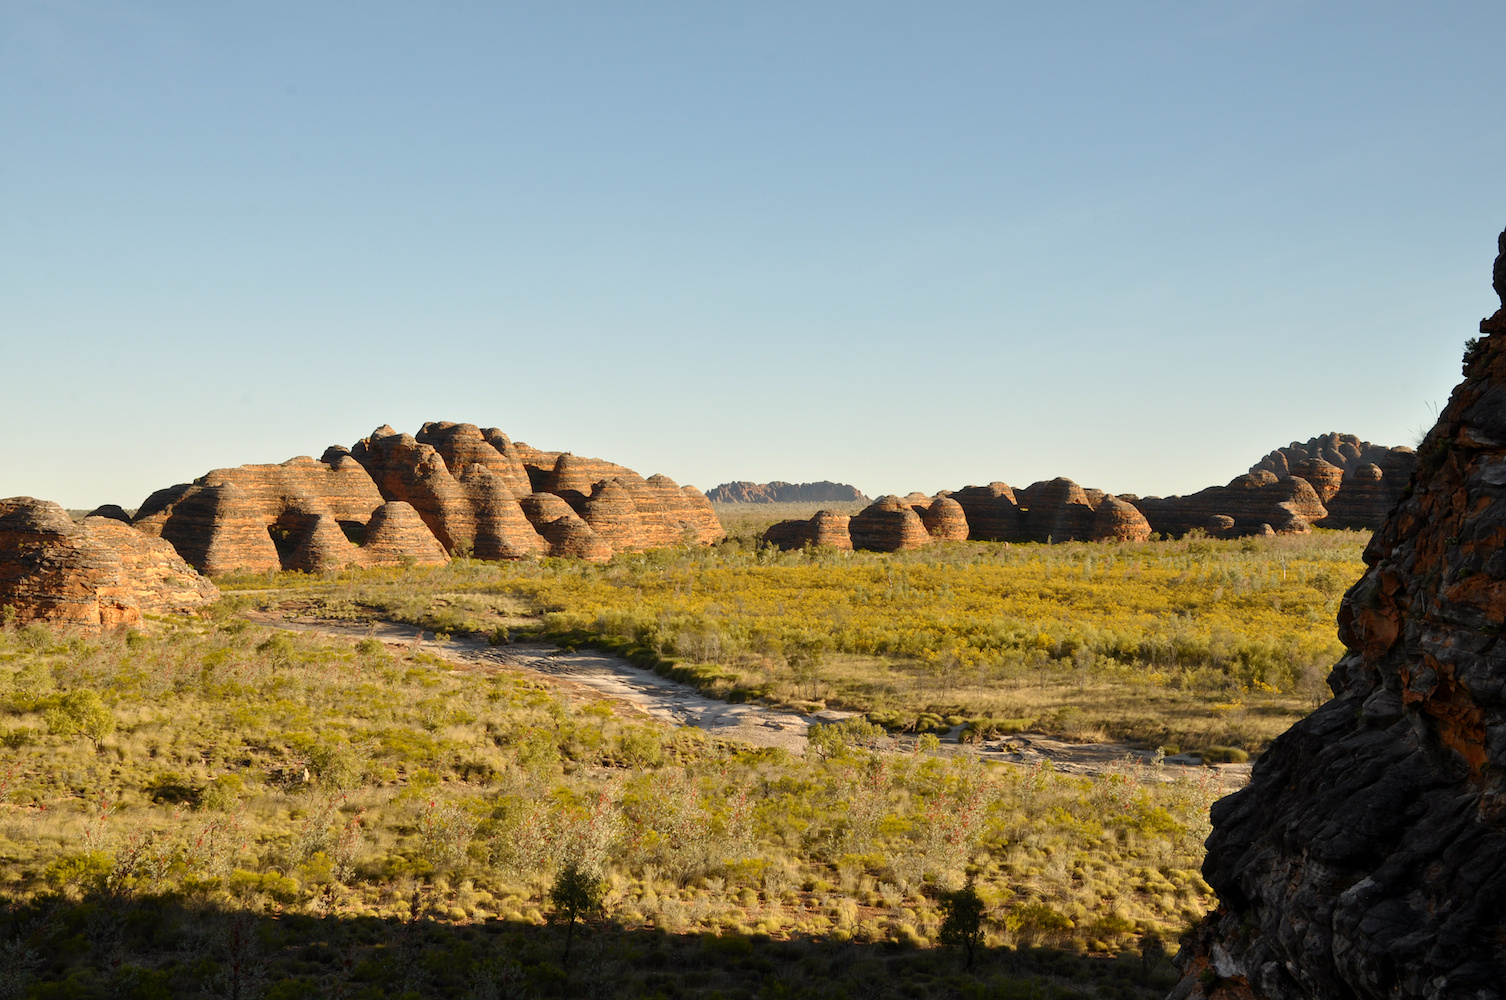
[108, 946]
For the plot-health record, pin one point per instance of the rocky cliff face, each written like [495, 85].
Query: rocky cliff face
[1367, 856]
[780, 492]
[98, 573]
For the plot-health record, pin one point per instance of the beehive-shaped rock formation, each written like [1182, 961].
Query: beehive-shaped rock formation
[826, 528]
[99, 573]
[462, 483]
[1366, 859]
[1116, 520]
[1371, 477]
[992, 512]
[1256, 502]
[567, 533]
[396, 534]
[888, 525]
[945, 520]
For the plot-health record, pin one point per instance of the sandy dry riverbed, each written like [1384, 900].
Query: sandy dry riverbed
[759, 725]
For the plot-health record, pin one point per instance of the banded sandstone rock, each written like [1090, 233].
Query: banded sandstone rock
[945, 520]
[465, 445]
[1117, 520]
[502, 530]
[826, 528]
[887, 525]
[1256, 502]
[993, 515]
[396, 534]
[567, 534]
[1360, 500]
[99, 573]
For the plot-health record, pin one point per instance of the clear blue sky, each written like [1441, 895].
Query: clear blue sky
[906, 246]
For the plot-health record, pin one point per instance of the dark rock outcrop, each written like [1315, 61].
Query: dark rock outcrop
[781, 492]
[993, 515]
[1367, 856]
[93, 574]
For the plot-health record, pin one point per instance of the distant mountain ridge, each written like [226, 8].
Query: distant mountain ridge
[779, 492]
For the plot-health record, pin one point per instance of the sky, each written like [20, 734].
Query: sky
[907, 246]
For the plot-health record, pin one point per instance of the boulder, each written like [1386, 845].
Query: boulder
[111, 511]
[1366, 859]
[94, 574]
[887, 525]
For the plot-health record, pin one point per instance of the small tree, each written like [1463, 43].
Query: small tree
[962, 919]
[577, 894]
[81, 713]
[806, 657]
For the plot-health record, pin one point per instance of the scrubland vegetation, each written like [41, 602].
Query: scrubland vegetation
[220, 809]
[1192, 645]
[209, 807]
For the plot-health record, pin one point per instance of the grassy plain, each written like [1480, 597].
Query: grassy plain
[1190, 644]
[263, 814]
[210, 807]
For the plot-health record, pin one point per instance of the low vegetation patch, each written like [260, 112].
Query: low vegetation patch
[253, 813]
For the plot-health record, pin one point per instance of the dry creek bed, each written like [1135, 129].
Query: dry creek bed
[759, 725]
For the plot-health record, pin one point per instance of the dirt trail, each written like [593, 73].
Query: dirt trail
[760, 725]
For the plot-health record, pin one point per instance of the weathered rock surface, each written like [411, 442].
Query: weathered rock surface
[1367, 856]
[945, 520]
[992, 513]
[1368, 480]
[1116, 520]
[888, 525]
[98, 573]
[1256, 502]
[396, 534]
[826, 527]
[463, 483]
[781, 492]
[567, 533]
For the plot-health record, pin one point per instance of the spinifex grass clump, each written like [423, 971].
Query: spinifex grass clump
[273, 814]
[1192, 644]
